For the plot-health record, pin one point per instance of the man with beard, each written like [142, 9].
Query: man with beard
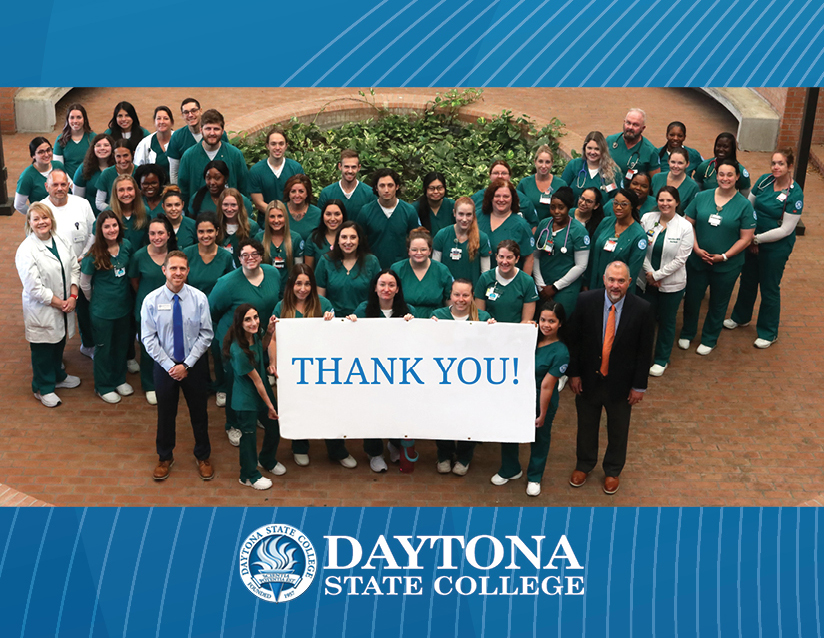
[630, 150]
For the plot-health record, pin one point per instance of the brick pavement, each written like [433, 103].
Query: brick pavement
[740, 427]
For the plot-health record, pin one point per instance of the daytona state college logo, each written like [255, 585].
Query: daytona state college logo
[277, 563]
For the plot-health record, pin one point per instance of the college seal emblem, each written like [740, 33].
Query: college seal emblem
[277, 563]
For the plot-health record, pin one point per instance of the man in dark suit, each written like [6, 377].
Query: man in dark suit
[610, 353]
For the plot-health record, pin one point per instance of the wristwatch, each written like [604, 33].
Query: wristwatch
[724, 256]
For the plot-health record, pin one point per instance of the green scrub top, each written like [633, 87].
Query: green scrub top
[307, 223]
[182, 140]
[138, 237]
[770, 209]
[706, 179]
[526, 208]
[146, 133]
[648, 204]
[554, 263]
[112, 296]
[445, 314]
[528, 188]
[311, 249]
[32, 183]
[277, 256]
[245, 397]
[153, 212]
[643, 157]
[630, 247]
[204, 276]
[515, 228]
[357, 199]
[90, 185]
[207, 205]
[74, 153]
[736, 215]
[505, 303]
[387, 235]
[427, 294]
[687, 190]
[551, 359]
[455, 254]
[657, 250]
[444, 218]
[161, 159]
[106, 182]
[360, 311]
[190, 172]
[231, 241]
[262, 180]
[143, 267]
[576, 175]
[186, 233]
[325, 306]
[234, 289]
[346, 289]
[694, 159]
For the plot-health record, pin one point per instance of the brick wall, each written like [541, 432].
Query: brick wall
[7, 109]
[775, 96]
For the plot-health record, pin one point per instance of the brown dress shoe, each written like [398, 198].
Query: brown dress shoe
[610, 485]
[161, 472]
[207, 472]
[578, 478]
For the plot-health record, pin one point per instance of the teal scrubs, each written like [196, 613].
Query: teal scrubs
[190, 172]
[643, 157]
[111, 313]
[686, 191]
[230, 242]
[262, 180]
[32, 183]
[182, 140]
[646, 206]
[306, 224]
[207, 205]
[736, 215]
[311, 249]
[153, 212]
[186, 233]
[506, 303]
[576, 175]
[325, 306]
[551, 359]
[90, 185]
[555, 263]
[73, 153]
[427, 294]
[204, 276]
[444, 218]
[138, 237]
[109, 132]
[705, 176]
[360, 313]
[106, 182]
[161, 159]
[765, 269]
[664, 304]
[515, 228]
[445, 314]
[528, 188]
[346, 290]
[357, 199]
[694, 159]
[526, 208]
[630, 247]
[387, 235]
[455, 254]
[144, 268]
[277, 256]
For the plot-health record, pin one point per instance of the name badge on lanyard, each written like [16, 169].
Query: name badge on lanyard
[610, 245]
[630, 174]
[119, 272]
[278, 262]
[546, 197]
[782, 197]
[455, 253]
[714, 219]
[491, 294]
[610, 187]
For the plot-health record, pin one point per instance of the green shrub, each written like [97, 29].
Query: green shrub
[418, 143]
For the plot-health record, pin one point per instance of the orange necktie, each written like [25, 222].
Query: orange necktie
[609, 337]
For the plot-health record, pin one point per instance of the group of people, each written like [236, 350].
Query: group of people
[168, 236]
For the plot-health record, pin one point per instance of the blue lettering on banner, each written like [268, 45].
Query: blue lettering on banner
[407, 370]
[445, 370]
[461, 371]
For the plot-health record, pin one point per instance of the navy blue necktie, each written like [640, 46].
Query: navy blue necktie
[177, 327]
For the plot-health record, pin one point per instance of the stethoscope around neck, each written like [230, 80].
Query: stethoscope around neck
[546, 234]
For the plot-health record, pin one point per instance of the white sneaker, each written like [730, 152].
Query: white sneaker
[124, 390]
[132, 366]
[278, 470]
[656, 370]
[50, 399]
[684, 344]
[562, 383]
[729, 324]
[394, 453]
[349, 462]
[378, 464]
[302, 460]
[220, 399]
[460, 469]
[151, 397]
[234, 436]
[533, 489]
[109, 397]
[69, 382]
[704, 350]
[87, 351]
[444, 467]
[500, 480]
[758, 343]
[262, 483]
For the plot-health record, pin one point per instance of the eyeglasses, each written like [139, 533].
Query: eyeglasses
[190, 112]
[435, 189]
[617, 204]
[250, 255]
[586, 201]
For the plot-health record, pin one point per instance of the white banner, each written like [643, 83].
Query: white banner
[420, 379]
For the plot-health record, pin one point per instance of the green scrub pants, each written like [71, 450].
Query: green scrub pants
[84, 321]
[538, 453]
[111, 343]
[249, 458]
[665, 308]
[763, 270]
[335, 448]
[47, 366]
[463, 451]
[721, 285]
[146, 366]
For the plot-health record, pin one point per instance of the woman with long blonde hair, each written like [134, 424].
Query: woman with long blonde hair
[282, 247]
[462, 247]
[233, 223]
[594, 169]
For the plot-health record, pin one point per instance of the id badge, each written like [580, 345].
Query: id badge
[549, 249]
[781, 197]
[279, 262]
[164, 306]
[546, 198]
[714, 220]
[455, 254]
[630, 174]
[610, 187]
[119, 272]
[611, 244]
[230, 248]
[491, 294]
